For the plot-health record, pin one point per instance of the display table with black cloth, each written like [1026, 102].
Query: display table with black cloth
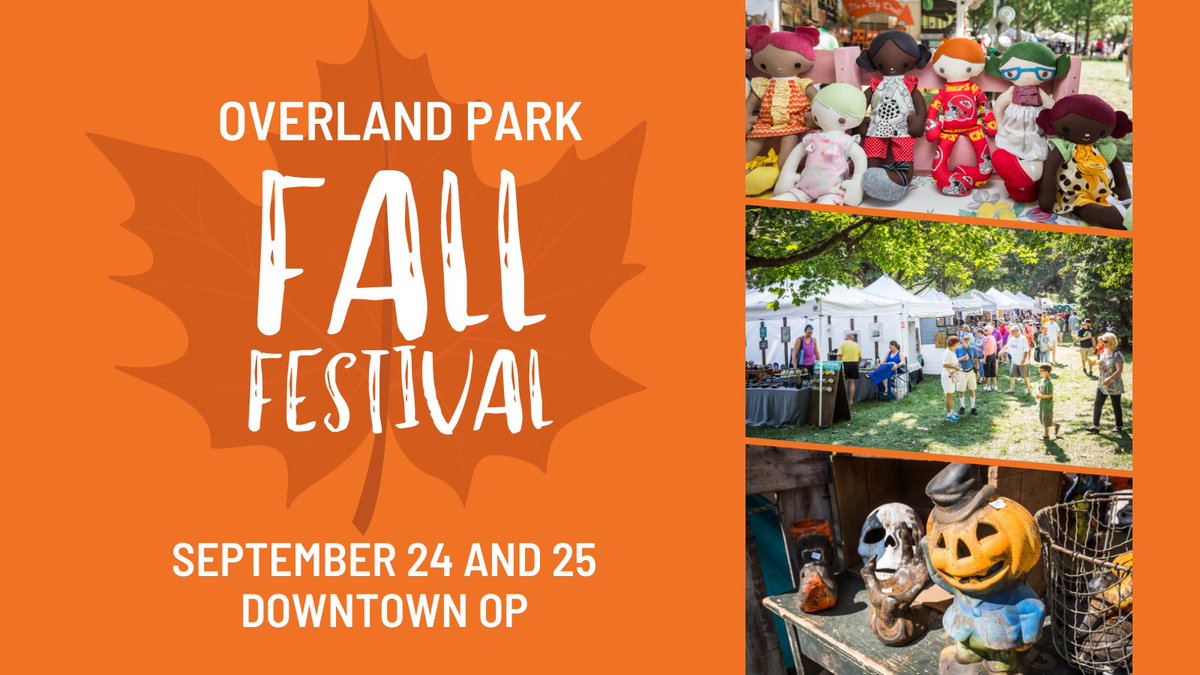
[840, 639]
[766, 407]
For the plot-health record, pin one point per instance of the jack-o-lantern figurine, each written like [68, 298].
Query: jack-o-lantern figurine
[893, 571]
[980, 548]
[814, 556]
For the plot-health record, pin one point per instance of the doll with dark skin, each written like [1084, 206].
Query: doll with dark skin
[781, 96]
[1082, 176]
[897, 112]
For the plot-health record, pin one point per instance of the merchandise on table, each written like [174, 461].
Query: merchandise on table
[1083, 175]
[960, 109]
[816, 584]
[1020, 143]
[980, 548]
[833, 160]
[1088, 551]
[894, 571]
[897, 112]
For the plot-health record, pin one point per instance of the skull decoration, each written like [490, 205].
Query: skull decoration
[881, 536]
[814, 555]
[893, 571]
[980, 548]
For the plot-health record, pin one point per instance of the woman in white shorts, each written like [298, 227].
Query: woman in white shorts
[951, 371]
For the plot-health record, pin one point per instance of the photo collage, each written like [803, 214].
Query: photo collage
[939, 337]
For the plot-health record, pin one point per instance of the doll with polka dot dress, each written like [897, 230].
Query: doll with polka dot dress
[960, 109]
[781, 97]
[1082, 175]
[897, 112]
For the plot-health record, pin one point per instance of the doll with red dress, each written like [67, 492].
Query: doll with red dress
[960, 109]
[781, 96]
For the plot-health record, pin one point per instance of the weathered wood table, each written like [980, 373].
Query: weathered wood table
[840, 640]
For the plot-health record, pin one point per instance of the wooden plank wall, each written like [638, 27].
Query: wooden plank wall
[798, 482]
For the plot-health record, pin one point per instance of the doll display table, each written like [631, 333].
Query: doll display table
[840, 640]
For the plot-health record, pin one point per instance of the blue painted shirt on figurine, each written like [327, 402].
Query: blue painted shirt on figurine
[1009, 619]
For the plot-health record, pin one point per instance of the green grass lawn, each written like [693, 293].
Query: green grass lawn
[1006, 427]
[1106, 79]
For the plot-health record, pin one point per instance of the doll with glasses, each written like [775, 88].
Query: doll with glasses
[1021, 146]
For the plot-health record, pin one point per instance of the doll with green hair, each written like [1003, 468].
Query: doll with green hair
[830, 154]
[1021, 145]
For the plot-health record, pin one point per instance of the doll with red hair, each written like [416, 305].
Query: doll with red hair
[782, 97]
[1082, 175]
[960, 109]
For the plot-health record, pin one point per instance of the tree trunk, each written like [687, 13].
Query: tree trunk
[1087, 30]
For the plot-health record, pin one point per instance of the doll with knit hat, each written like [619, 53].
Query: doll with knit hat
[829, 154]
[1082, 175]
[781, 97]
[960, 109]
[1020, 143]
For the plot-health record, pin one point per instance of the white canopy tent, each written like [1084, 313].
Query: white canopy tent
[878, 314]
[1025, 302]
[832, 315]
[1003, 301]
[974, 302]
[916, 307]
[1033, 304]
[934, 294]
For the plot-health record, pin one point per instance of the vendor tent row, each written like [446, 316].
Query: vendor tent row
[879, 313]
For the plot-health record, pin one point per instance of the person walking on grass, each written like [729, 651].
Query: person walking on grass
[1111, 365]
[1053, 331]
[849, 353]
[990, 351]
[1087, 346]
[1045, 345]
[951, 371]
[1072, 327]
[1018, 359]
[1045, 399]
[968, 376]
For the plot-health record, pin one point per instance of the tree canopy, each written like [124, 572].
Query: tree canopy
[801, 254]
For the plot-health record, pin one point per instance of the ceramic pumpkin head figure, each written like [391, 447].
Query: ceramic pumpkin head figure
[980, 548]
[990, 548]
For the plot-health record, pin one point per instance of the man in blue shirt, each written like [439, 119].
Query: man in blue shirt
[968, 356]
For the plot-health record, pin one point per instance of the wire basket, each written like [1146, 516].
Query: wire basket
[1087, 555]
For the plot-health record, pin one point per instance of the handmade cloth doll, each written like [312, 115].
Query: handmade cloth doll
[960, 109]
[829, 154]
[781, 96]
[1020, 144]
[1082, 175]
[897, 112]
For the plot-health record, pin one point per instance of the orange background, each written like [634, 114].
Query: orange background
[106, 473]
